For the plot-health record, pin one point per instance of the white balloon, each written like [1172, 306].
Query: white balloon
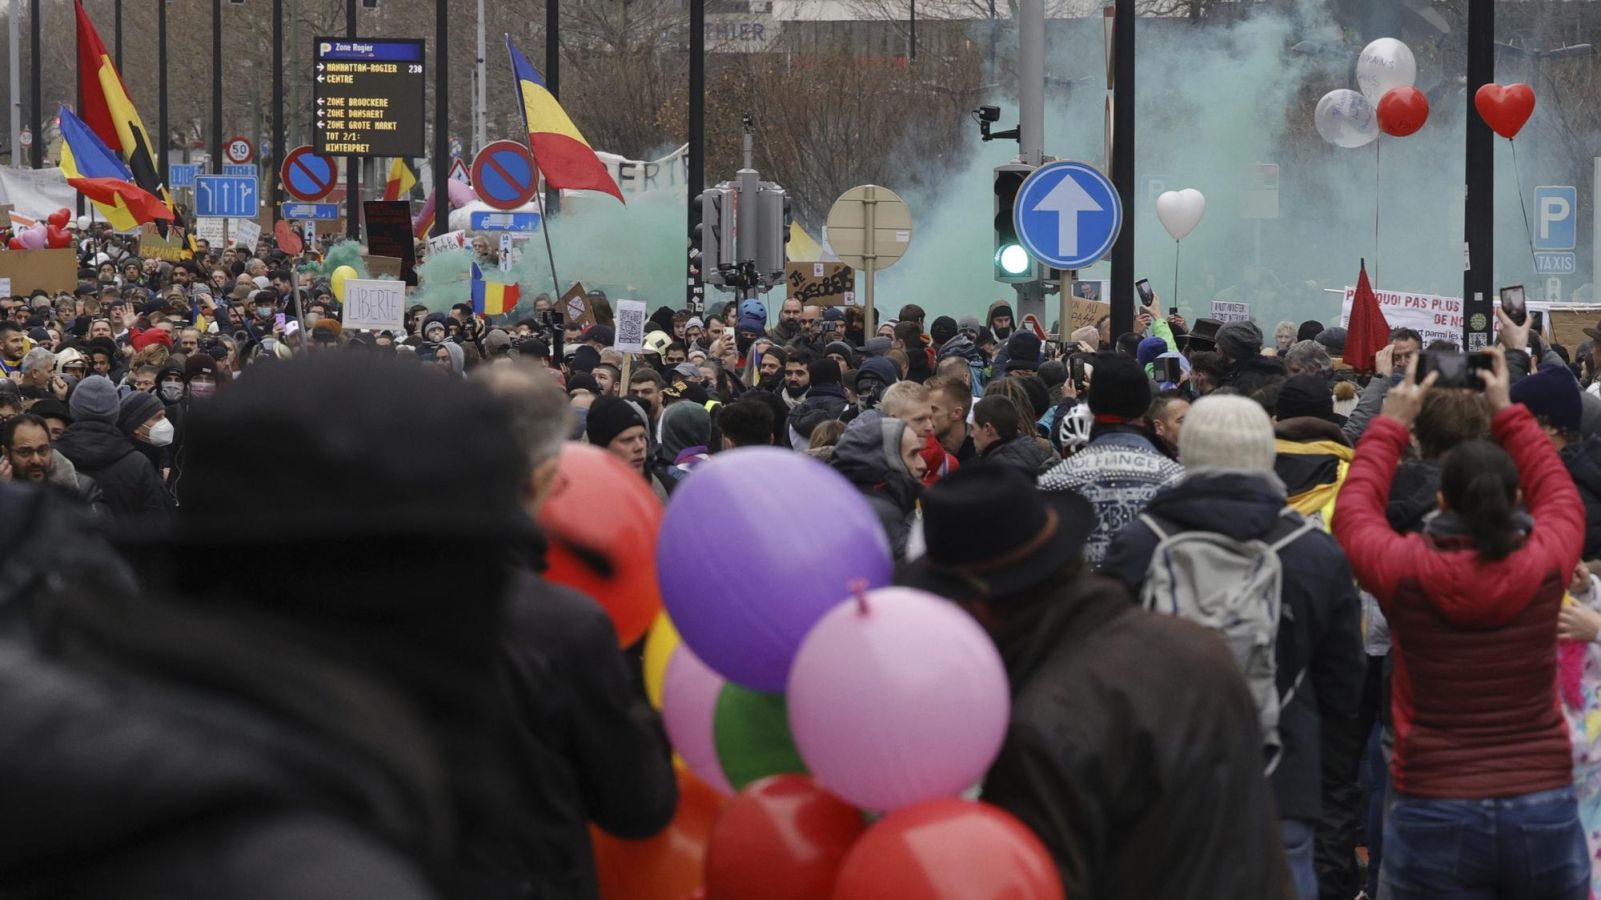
[1346, 119]
[1180, 211]
[1384, 64]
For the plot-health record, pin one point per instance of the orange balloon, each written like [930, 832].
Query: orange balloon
[948, 850]
[602, 521]
[669, 866]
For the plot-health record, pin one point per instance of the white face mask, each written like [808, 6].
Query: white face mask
[160, 434]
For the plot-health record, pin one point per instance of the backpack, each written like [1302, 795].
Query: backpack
[1234, 588]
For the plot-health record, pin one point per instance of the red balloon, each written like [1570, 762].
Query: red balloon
[288, 239]
[56, 236]
[949, 850]
[782, 838]
[670, 865]
[1402, 111]
[602, 520]
[60, 218]
[15, 244]
[1505, 109]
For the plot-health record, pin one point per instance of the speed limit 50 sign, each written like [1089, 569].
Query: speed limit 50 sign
[239, 150]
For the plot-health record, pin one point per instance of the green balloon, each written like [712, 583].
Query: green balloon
[751, 731]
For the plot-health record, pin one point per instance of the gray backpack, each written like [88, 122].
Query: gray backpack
[1234, 588]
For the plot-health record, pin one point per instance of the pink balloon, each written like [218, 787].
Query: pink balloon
[460, 194]
[34, 238]
[689, 702]
[897, 699]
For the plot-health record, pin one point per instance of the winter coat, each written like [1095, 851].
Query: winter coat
[1253, 373]
[1474, 699]
[1119, 471]
[1319, 643]
[869, 456]
[826, 398]
[131, 485]
[1414, 494]
[65, 475]
[1133, 752]
[1023, 453]
[1584, 464]
[590, 747]
[1313, 456]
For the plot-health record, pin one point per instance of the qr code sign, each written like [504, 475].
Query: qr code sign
[630, 326]
[1478, 340]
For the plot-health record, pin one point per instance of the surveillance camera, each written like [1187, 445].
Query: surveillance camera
[988, 113]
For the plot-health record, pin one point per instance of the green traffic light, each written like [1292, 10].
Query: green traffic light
[1012, 259]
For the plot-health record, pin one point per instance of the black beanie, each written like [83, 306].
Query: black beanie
[1119, 387]
[943, 329]
[823, 371]
[1308, 330]
[609, 417]
[1305, 396]
[585, 359]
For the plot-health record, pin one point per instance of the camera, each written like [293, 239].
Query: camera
[988, 113]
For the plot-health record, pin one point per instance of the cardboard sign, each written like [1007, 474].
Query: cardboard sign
[212, 230]
[444, 243]
[246, 232]
[374, 305]
[171, 248]
[1227, 311]
[384, 265]
[388, 224]
[1087, 312]
[576, 306]
[5, 288]
[630, 332]
[1566, 326]
[820, 283]
[31, 270]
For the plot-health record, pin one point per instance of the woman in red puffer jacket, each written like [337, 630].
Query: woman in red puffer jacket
[1482, 772]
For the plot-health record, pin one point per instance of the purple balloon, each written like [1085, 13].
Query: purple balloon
[689, 703]
[754, 548]
[898, 699]
[33, 238]
[460, 194]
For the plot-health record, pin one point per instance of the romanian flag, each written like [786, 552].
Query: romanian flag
[492, 298]
[109, 112]
[102, 176]
[562, 154]
[401, 181]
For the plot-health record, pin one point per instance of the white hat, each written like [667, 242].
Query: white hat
[1227, 432]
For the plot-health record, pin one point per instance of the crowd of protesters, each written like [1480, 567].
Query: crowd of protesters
[1275, 627]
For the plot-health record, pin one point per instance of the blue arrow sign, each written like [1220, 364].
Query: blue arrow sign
[1067, 215]
[508, 221]
[230, 196]
[181, 175]
[314, 212]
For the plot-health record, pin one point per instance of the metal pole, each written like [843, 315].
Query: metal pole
[36, 156]
[16, 82]
[117, 37]
[276, 194]
[353, 163]
[77, 99]
[216, 82]
[1123, 164]
[1595, 232]
[481, 96]
[1031, 81]
[553, 77]
[162, 139]
[869, 257]
[912, 43]
[696, 161]
[441, 120]
[1478, 220]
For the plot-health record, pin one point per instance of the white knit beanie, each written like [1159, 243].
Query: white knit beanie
[1227, 432]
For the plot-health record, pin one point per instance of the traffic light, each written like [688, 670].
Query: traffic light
[708, 237]
[772, 209]
[1012, 263]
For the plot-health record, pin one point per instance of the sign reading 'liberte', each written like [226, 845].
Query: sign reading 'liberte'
[369, 97]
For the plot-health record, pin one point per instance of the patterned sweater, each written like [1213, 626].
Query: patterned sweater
[1118, 472]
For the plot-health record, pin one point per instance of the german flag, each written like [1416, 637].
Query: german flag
[109, 112]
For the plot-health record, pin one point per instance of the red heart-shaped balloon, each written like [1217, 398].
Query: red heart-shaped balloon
[57, 237]
[1402, 111]
[288, 240]
[1505, 109]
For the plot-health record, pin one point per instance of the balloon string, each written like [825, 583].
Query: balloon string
[1377, 193]
[1528, 233]
[1176, 247]
[859, 591]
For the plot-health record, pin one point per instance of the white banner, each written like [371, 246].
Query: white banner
[1436, 318]
[1227, 311]
[36, 193]
[638, 176]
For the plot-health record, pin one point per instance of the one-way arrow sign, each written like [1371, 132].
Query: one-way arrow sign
[1067, 200]
[1067, 215]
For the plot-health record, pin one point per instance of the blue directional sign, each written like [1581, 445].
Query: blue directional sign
[1555, 210]
[1067, 214]
[507, 221]
[240, 169]
[180, 175]
[229, 196]
[313, 212]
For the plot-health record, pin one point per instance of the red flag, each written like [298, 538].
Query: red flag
[144, 206]
[1367, 332]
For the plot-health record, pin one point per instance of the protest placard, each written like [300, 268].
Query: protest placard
[630, 332]
[820, 283]
[372, 305]
[1227, 311]
[48, 270]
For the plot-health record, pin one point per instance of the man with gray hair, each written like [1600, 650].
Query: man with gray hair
[591, 748]
[38, 376]
[1308, 358]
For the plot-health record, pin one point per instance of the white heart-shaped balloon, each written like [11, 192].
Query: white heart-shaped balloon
[1180, 211]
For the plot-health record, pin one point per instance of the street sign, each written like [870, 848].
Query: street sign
[315, 212]
[229, 196]
[307, 174]
[869, 228]
[239, 150]
[1555, 209]
[503, 221]
[1067, 214]
[181, 175]
[504, 175]
[458, 172]
[1260, 199]
[246, 169]
[368, 96]
[26, 138]
[1555, 263]
[1151, 187]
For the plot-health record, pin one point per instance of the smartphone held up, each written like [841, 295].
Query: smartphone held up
[1456, 369]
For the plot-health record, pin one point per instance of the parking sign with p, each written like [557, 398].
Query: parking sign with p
[1555, 208]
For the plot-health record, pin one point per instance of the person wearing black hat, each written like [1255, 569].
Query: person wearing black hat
[339, 708]
[824, 393]
[1240, 344]
[1313, 451]
[1022, 353]
[872, 380]
[1202, 337]
[1120, 469]
[1133, 750]
[999, 321]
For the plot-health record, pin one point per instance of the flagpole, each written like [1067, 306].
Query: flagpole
[441, 119]
[544, 227]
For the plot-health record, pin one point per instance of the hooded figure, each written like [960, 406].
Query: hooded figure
[872, 454]
[872, 379]
[135, 410]
[1002, 310]
[99, 449]
[682, 438]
